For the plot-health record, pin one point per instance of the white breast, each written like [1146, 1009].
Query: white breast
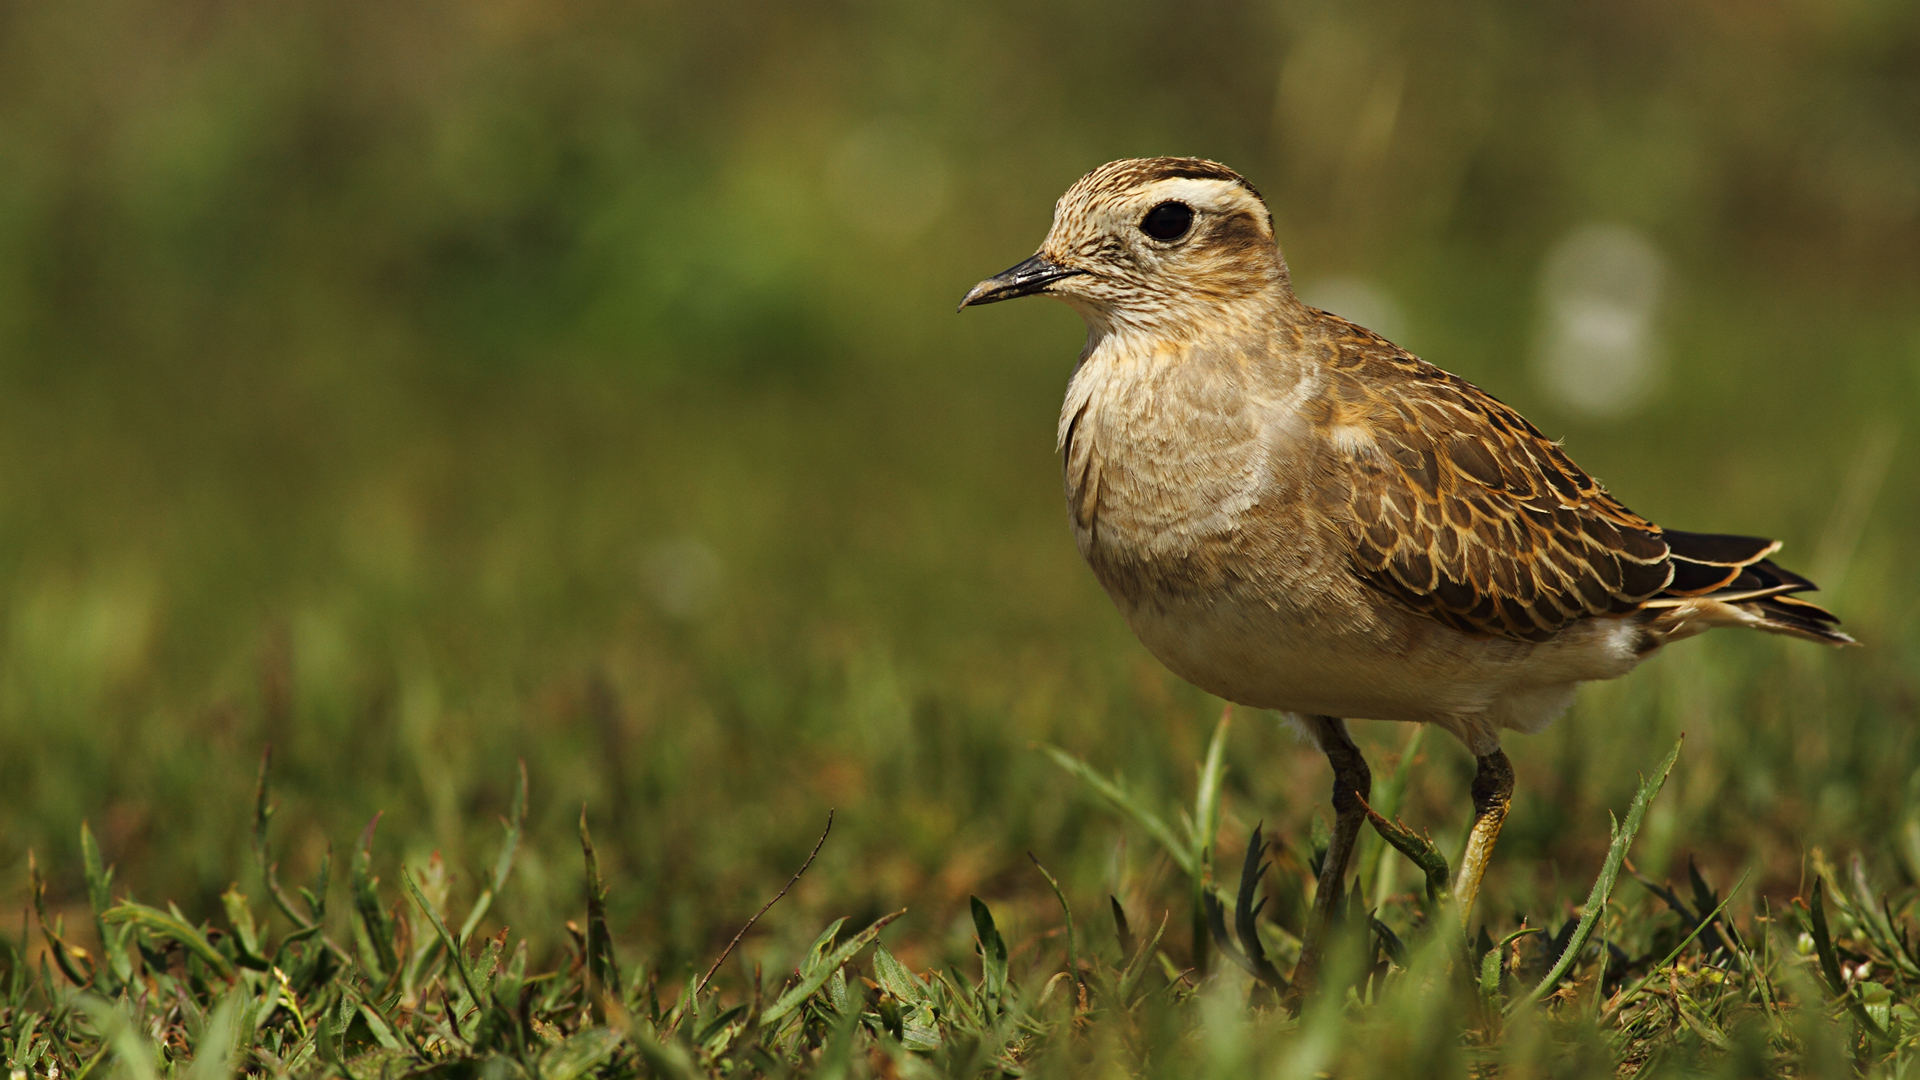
[1162, 450]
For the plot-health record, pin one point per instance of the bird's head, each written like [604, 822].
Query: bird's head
[1155, 244]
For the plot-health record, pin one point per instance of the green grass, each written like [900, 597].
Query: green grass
[420, 393]
[1657, 984]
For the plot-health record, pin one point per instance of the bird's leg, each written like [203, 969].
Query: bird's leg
[1352, 783]
[1492, 794]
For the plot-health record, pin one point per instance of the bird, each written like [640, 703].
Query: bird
[1295, 514]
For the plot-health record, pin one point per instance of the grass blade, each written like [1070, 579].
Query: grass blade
[162, 924]
[1206, 828]
[1137, 967]
[603, 974]
[118, 1031]
[766, 907]
[1830, 964]
[1115, 792]
[503, 865]
[1492, 967]
[366, 901]
[439, 925]
[578, 1055]
[1623, 835]
[1073, 961]
[1702, 924]
[1249, 954]
[263, 809]
[119, 965]
[993, 952]
[801, 991]
[1375, 872]
[68, 959]
[217, 1053]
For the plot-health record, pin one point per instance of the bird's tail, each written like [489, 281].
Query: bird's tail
[1729, 581]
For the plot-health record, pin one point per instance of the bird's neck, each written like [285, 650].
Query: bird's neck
[1210, 324]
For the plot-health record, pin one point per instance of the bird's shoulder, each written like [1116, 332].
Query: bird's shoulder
[1454, 504]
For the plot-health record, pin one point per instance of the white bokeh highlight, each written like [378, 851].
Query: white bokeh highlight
[682, 577]
[1599, 352]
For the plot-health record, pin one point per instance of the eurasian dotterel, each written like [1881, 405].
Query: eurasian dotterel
[1294, 513]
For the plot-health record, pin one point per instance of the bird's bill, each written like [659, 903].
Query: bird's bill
[1026, 279]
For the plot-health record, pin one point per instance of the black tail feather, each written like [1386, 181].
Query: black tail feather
[1736, 569]
[1717, 549]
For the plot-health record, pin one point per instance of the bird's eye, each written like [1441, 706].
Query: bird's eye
[1168, 221]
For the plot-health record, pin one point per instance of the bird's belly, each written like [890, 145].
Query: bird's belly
[1276, 624]
[1274, 658]
[1377, 664]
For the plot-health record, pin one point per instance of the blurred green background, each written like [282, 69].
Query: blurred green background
[419, 387]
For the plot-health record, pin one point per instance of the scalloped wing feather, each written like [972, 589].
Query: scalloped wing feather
[1464, 511]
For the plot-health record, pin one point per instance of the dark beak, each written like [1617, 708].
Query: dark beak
[1026, 279]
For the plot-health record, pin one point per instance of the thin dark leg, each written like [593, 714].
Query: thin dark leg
[1492, 794]
[1352, 782]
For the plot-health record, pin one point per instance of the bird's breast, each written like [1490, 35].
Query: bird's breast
[1170, 476]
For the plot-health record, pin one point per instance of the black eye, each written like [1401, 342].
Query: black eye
[1168, 221]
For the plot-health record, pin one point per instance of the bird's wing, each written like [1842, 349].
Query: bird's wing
[1458, 507]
